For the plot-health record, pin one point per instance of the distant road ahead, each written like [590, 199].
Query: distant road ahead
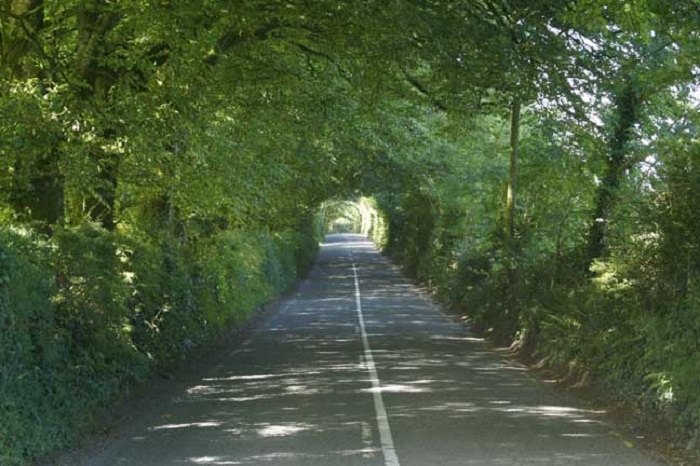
[359, 369]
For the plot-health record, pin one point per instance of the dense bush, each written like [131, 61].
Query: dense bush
[88, 313]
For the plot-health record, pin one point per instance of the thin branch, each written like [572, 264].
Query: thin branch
[232, 38]
[658, 49]
[342, 71]
[31, 35]
[423, 90]
[631, 162]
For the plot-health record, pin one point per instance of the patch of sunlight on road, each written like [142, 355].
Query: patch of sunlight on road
[330, 300]
[353, 245]
[550, 411]
[396, 388]
[301, 390]
[257, 459]
[586, 421]
[241, 399]
[283, 430]
[186, 425]
[257, 376]
[214, 460]
[460, 407]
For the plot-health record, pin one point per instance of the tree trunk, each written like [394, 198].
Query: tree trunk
[41, 197]
[94, 23]
[627, 104]
[511, 312]
[513, 170]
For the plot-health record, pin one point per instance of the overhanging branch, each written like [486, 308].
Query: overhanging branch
[413, 81]
[342, 71]
[231, 38]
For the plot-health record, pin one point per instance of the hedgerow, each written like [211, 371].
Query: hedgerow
[87, 314]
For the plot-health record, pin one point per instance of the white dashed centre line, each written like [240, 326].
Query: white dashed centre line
[385, 438]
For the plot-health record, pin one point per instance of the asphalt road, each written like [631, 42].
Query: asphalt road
[358, 368]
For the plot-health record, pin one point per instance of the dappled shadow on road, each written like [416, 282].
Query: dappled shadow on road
[299, 391]
[289, 410]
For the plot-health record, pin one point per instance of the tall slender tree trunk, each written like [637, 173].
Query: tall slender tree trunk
[94, 23]
[627, 104]
[513, 170]
[511, 312]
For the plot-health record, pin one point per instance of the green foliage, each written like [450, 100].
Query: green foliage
[88, 313]
[165, 167]
[30, 348]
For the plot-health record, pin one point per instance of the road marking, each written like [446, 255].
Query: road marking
[385, 438]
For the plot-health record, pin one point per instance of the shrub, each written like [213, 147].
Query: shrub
[86, 314]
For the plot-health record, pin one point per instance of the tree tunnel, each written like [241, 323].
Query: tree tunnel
[168, 167]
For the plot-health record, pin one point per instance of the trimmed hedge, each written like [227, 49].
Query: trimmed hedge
[88, 313]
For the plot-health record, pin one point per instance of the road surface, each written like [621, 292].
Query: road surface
[358, 368]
